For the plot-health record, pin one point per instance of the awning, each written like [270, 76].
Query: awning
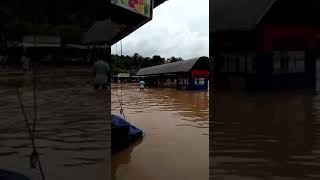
[129, 15]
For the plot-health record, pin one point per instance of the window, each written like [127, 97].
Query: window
[299, 61]
[199, 81]
[288, 62]
[242, 64]
[232, 63]
[186, 81]
[251, 68]
[183, 81]
[224, 64]
[238, 62]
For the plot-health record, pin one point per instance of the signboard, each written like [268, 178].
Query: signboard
[124, 75]
[200, 73]
[41, 41]
[142, 7]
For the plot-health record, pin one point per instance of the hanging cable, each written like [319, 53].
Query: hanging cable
[120, 99]
[120, 102]
[34, 157]
[35, 153]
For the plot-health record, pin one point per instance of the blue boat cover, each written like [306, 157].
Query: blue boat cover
[123, 134]
[7, 175]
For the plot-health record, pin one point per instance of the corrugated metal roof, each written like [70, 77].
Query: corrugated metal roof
[238, 14]
[181, 66]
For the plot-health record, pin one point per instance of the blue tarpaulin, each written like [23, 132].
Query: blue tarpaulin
[7, 175]
[123, 134]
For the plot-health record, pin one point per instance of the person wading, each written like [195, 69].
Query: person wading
[4, 60]
[100, 73]
[141, 85]
[25, 63]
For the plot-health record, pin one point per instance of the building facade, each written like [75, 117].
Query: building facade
[274, 44]
[190, 74]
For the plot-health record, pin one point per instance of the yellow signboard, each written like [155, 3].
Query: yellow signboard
[142, 7]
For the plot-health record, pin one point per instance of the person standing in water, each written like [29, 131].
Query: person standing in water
[100, 72]
[25, 63]
[141, 85]
[4, 60]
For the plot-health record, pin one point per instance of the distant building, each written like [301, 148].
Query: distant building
[190, 74]
[123, 77]
[41, 41]
[40, 44]
[265, 44]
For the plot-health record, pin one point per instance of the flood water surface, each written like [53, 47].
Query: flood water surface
[176, 139]
[265, 135]
[72, 133]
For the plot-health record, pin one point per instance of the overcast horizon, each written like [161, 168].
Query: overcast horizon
[179, 28]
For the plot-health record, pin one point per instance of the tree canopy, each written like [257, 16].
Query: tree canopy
[131, 64]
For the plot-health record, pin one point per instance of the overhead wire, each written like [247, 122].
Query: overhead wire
[34, 157]
[120, 98]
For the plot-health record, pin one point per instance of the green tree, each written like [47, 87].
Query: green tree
[132, 64]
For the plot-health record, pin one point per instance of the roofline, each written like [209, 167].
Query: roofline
[265, 11]
[196, 59]
[232, 29]
[270, 5]
[171, 73]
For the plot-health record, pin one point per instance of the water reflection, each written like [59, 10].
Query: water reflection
[176, 127]
[265, 135]
[122, 160]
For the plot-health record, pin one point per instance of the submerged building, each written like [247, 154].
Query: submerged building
[265, 44]
[190, 74]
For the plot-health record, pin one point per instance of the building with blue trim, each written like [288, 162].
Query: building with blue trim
[190, 74]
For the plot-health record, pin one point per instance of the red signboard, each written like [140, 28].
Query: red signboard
[200, 73]
[288, 38]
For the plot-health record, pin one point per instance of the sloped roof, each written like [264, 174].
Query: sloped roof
[238, 14]
[181, 66]
[99, 33]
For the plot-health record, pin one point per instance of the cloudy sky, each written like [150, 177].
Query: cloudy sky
[179, 28]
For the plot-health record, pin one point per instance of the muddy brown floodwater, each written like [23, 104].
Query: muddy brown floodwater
[265, 135]
[73, 128]
[176, 139]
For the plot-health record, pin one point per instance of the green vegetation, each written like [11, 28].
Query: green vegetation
[131, 64]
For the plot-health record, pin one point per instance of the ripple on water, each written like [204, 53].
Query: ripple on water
[171, 123]
[276, 136]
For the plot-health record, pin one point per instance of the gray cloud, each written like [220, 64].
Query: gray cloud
[179, 28]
